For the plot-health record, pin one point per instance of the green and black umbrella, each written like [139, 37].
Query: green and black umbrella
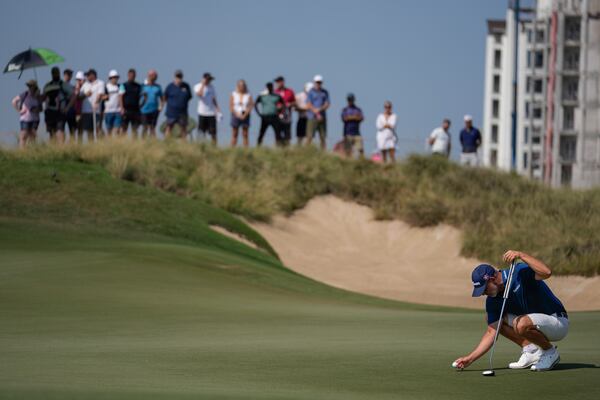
[32, 58]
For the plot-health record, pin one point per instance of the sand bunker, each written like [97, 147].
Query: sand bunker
[339, 243]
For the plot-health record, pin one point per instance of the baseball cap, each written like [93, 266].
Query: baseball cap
[207, 75]
[350, 96]
[91, 71]
[468, 118]
[481, 274]
[80, 75]
[279, 79]
[318, 78]
[179, 73]
[113, 73]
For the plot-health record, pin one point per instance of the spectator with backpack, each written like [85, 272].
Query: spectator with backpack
[56, 97]
[28, 104]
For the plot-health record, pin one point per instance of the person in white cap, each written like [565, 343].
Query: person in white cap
[301, 99]
[79, 80]
[470, 140]
[317, 103]
[112, 106]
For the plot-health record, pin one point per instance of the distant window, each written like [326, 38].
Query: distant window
[496, 84]
[498, 39]
[537, 112]
[529, 36]
[526, 135]
[525, 160]
[528, 84]
[494, 133]
[494, 158]
[539, 59]
[497, 58]
[570, 88]
[536, 135]
[568, 148]
[529, 59]
[566, 175]
[526, 109]
[571, 58]
[495, 108]
[568, 118]
[539, 36]
[538, 86]
[572, 28]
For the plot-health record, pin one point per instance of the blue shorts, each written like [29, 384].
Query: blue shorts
[237, 122]
[112, 120]
[181, 120]
[27, 126]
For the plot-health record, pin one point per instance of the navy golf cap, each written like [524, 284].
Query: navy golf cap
[481, 274]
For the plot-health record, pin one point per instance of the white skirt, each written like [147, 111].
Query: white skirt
[386, 140]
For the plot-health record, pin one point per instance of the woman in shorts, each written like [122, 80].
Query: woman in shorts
[240, 104]
[28, 105]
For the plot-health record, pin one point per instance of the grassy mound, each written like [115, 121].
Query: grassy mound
[497, 211]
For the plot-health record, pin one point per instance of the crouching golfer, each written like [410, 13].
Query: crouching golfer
[534, 316]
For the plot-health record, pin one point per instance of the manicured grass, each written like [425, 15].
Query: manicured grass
[95, 317]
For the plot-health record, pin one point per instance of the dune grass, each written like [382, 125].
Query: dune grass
[496, 211]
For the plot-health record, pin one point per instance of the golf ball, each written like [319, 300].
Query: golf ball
[454, 364]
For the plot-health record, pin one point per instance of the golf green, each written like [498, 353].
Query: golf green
[84, 316]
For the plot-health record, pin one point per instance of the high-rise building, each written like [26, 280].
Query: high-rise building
[558, 93]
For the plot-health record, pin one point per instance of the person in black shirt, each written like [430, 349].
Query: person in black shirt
[131, 92]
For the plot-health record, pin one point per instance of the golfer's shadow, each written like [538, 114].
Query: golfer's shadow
[567, 366]
[559, 367]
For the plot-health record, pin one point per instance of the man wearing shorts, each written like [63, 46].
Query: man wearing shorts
[352, 116]
[152, 104]
[131, 92]
[317, 103]
[177, 97]
[534, 317]
[56, 96]
[208, 108]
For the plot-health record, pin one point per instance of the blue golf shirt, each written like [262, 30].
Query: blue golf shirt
[317, 98]
[527, 296]
[177, 98]
[470, 139]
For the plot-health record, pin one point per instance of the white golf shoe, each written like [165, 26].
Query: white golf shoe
[548, 360]
[526, 360]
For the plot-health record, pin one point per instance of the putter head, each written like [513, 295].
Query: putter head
[488, 373]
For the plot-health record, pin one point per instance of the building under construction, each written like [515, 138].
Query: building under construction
[555, 64]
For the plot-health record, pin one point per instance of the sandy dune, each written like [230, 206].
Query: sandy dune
[339, 243]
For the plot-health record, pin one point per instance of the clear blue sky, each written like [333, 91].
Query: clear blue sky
[426, 56]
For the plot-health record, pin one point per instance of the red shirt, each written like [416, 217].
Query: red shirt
[287, 95]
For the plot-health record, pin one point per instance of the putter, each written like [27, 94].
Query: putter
[490, 372]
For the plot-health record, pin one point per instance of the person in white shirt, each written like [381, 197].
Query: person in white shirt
[208, 108]
[240, 104]
[386, 133]
[301, 107]
[440, 139]
[90, 93]
[112, 104]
